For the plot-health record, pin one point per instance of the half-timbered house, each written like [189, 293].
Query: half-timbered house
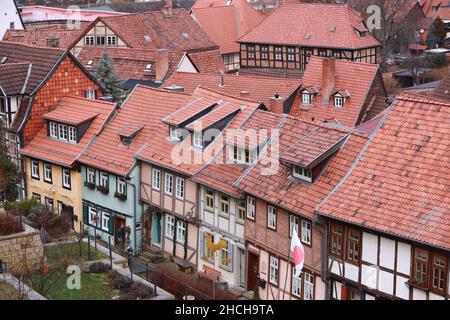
[387, 220]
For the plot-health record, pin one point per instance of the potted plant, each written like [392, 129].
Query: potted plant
[120, 196]
[89, 185]
[102, 189]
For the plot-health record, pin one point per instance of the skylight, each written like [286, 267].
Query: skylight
[147, 38]
[185, 35]
[333, 29]
[3, 60]
[307, 36]
[90, 63]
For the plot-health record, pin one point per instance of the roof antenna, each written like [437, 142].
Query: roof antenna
[222, 78]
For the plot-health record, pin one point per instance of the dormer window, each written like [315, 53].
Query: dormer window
[111, 40]
[89, 40]
[362, 34]
[302, 173]
[306, 98]
[53, 130]
[62, 132]
[338, 101]
[197, 140]
[3, 60]
[72, 134]
[125, 140]
[90, 63]
[174, 133]
[243, 155]
[148, 68]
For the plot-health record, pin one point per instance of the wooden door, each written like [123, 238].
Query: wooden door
[252, 271]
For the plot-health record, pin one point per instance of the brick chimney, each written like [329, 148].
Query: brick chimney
[276, 104]
[162, 64]
[167, 9]
[328, 78]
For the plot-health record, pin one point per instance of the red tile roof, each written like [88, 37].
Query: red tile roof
[443, 89]
[73, 116]
[144, 106]
[208, 61]
[354, 77]
[272, 72]
[309, 24]
[236, 85]
[65, 153]
[400, 184]
[277, 185]
[226, 23]
[13, 78]
[219, 113]
[129, 63]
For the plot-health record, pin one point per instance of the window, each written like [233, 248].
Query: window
[302, 173]
[53, 130]
[225, 258]
[306, 98]
[421, 267]
[264, 52]
[100, 40]
[72, 134]
[111, 40]
[291, 54]
[90, 93]
[224, 205]
[273, 274]
[243, 155]
[336, 235]
[105, 221]
[208, 253]
[49, 203]
[438, 272]
[338, 101]
[240, 210]
[271, 217]
[35, 169]
[181, 231]
[353, 239]
[91, 175]
[66, 178]
[121, 186]
[293, 223]
[104, 177]
[92, 215]
[156, 179]
[174, 133]
[47, 172]
[12, 25]
[278, 53]
[180, 188]
[170, 226]
[89, 40]
[62, 132]
[148, 67]
[36, 196]
[169, 184]
[296, 289]
[308, 287]
[197, 139]
[251, 208]
[209, 199]
[306, 232]
[90, 63]
[250, 52]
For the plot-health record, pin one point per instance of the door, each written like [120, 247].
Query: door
[119, 222]
[242, 268]
[157, 229]
[252, 271]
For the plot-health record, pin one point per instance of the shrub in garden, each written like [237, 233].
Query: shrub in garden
[119, 281]
[99, 267]
[137, 291]
[9, 225]
[56, 225]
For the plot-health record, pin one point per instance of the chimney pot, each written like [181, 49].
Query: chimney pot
[245, 93]
[162, 64]
[328, 78]
[276, 104]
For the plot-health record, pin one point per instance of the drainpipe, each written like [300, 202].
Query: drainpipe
[323, 230]
[134, 216]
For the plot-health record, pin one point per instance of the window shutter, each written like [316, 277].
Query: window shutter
[85, 213]
[230, 255]
[111, 224]
[202, 244]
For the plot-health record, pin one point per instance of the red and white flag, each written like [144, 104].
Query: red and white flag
[298, 253]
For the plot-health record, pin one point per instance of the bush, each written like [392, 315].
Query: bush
[98, 267]
[24, 206]
[43, 217]
[59, 225]
[137, 291]
[120, 282]
[9, 225]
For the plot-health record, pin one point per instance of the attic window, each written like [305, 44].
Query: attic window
[89, 63]
[307, 36]
[148, 68]
[338, 101]
[243, 155]
[197, 140]
[333, 29]
[3, 60]
[174, 133]
[302, 173]
[306, 98]
[185, 35]
[362, 34]
[147, 38]
[229, 3]
[125, 140]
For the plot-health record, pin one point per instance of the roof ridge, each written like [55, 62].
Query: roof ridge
[161, 90]
[237, 76]
[32, 46]
[414, 97]
[226, 94]
[87, 99]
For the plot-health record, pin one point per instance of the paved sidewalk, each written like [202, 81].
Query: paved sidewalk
[21, 287]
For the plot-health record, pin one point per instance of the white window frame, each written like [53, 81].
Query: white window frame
[105, 221]
[89, 40]
[209, 196]
[35, 169]
[104, 179]
[49, 202]
[181, 231]
[174, 133]
[224, 255]
[271, 217]
[197, 140]
[62, 132]
[274, 270]
[156, 179]
[91, 213]
[296, 288]
[179, 192]
[66, 178]
[121, 186]
[110, 42]
[338, 101]
[251, 208]
[48, 172]
[53, 129]
[240, 210]
[293, 221]
[224, 203]
[170, 226]
[91, 175]
[302, 173]
[306, 232]
[308, 286]
[306, 98]
[72, 134]
[90, 93]
[168, 184]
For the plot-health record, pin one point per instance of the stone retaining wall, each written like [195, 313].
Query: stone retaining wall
[22, 251]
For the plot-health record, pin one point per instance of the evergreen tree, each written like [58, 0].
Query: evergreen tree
[8, 170]
[436, 33]
[105, 74]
